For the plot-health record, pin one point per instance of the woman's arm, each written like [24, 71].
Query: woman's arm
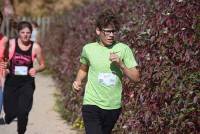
[37, 50]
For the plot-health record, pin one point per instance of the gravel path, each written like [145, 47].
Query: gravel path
[42, 119]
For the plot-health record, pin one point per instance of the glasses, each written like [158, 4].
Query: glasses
[108, 32]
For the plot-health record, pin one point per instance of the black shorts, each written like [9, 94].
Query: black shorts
[99, 121]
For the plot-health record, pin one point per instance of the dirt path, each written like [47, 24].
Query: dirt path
[42, 119]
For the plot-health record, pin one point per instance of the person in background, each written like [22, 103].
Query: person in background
[35, 36]
[13, 27]
[3, 42]
[104, 63]
[20, 81]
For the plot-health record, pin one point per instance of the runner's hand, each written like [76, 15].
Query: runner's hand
[76, 86]
[114, 58]
[32, 72]
[3, 64]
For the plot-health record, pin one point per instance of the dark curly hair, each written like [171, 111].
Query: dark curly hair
[106, 18]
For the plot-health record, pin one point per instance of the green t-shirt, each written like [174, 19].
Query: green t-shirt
[104, 87]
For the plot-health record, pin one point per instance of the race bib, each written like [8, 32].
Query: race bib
[107, 79]
[21, 70]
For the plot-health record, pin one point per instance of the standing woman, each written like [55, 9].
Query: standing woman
[20, 82]
[3, 41]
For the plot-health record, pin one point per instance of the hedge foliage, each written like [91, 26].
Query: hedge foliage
[165, 35]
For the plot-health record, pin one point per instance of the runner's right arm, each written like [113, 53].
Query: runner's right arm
[81, 75]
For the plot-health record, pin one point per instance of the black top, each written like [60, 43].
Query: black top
[21, 62]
